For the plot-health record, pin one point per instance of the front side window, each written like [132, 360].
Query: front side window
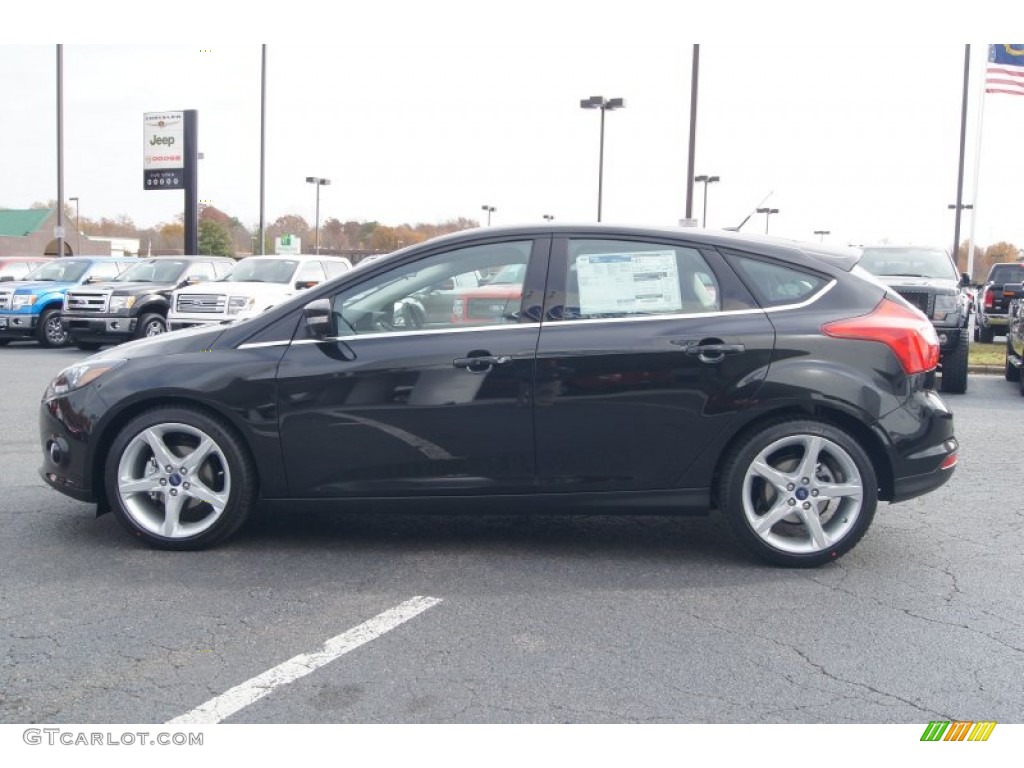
[612, 279]
[438, 292]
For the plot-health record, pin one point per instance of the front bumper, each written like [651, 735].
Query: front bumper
[66, 433]
[98, 327]
[14, 325]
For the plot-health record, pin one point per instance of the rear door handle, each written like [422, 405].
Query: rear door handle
[481, 363]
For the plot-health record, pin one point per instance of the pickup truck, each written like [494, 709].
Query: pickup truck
[30, 308]
[927, 278]
[992, 301]
[256, 284]
[135, 303]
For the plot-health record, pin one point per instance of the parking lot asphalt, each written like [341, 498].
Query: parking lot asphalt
[531, 619]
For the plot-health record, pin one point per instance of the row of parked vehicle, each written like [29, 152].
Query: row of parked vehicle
[92, 301]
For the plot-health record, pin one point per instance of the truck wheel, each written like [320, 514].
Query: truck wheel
[954, 367]
[49, 332]
[86, 346]
[150, 325]
[985, 335]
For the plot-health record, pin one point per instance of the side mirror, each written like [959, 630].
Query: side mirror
[6, 278]
[303, 284]
[317, 316]
[965, 280]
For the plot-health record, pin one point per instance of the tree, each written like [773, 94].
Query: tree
[214, 239]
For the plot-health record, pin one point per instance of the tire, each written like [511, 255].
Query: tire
[86, 346]
[954, 366]
[4, 342]
[1011, 372]
[772, 497]
[140, 487]
[977, 332]
[150, 325]
[985, 335]
[49, 332]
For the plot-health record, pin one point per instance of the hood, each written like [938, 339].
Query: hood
[45, 286]
[132, 287]
[187, 340]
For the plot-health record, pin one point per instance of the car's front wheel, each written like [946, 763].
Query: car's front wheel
[179, 478]
[150, 325]
[50, 332]
[955, 365]
[798, 492]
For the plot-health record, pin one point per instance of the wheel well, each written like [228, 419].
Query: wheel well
[867, 439]
[129, 413]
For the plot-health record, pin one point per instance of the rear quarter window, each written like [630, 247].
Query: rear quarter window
[776, 285]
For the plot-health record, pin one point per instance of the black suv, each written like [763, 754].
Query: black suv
[135, 304]
[927, 278]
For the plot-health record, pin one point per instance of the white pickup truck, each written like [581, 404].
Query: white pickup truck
[256, 284]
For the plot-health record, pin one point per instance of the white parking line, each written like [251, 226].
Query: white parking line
[241, 696]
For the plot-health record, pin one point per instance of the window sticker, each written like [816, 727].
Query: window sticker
[624, 283]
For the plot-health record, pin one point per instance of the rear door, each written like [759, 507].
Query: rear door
[649, 350]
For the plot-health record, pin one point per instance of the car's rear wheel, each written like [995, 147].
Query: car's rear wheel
[49, 332]
[985, 335]
[798, 492]
[1010, 371]
[180, 479]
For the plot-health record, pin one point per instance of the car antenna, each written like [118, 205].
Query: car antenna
[740, 226]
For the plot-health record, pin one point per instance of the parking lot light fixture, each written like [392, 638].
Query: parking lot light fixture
[548, 217]
[706, 180]
[490, 209]
[605, 105]
[319, 183]
[821, 233]
[767, 214]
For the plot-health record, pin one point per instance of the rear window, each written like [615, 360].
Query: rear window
[1007, 273]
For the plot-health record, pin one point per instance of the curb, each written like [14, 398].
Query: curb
[994, 370]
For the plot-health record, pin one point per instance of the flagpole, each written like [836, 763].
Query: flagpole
[977, 171]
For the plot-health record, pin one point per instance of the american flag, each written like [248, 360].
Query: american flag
[1005, 73]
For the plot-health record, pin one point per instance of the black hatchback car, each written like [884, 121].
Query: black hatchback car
[635, 370]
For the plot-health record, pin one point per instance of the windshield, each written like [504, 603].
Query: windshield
[156, 271]
[59, 271]
[263, 271]
[908, 262]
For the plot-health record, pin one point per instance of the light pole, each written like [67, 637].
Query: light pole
[605, 105]
[319, 183]
[767, 213]
[707, 180]
[490, 209]
[822, 233]
[548, 217]
[78, 225]
[956, 253]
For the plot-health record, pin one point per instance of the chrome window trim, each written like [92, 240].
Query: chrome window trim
[396, 334]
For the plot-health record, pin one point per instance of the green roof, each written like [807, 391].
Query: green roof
[21, 223]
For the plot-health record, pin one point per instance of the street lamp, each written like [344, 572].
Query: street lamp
[767, 213]
[319, 183]
[707, 180]
[548, 217]
[951, 206]
[78, 226]
[605, 105]
[822, 232]
[490, 209]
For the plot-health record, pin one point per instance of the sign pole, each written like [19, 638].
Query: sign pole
[191, 141]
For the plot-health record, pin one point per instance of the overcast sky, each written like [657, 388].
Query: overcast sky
[425, 112]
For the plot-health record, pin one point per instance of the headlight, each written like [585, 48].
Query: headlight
[121, 302]
[80, 374]
[23, 300]
[238, 304]
[945, 305]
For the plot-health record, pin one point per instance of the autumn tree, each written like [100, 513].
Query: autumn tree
[214, 239]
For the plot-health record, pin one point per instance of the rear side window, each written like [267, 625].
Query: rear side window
[611, 278]
[774, 284]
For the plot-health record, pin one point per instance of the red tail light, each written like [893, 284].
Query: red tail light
[905, 331]
[989, 299]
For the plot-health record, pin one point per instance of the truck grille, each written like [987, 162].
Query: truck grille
[920, 299]
[201, 302]
[87, 302]
[5, 299]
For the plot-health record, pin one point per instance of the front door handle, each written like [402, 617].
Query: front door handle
[713, 352]
[481, 363]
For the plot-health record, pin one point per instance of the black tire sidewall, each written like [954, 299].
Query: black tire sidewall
[43, 338]
[240, 466]
[145, 320]
[734, 469]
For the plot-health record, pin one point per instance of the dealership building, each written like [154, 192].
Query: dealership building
[32, 232]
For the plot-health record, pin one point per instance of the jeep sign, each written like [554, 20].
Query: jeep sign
[163, 156]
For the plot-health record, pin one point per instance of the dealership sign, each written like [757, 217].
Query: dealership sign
[287, 245]
[163, 150]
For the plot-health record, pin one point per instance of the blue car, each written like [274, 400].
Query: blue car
[30, 308]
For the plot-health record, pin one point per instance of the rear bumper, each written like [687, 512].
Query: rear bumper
[925, 449]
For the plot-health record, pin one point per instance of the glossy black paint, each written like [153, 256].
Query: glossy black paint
[565, 410]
